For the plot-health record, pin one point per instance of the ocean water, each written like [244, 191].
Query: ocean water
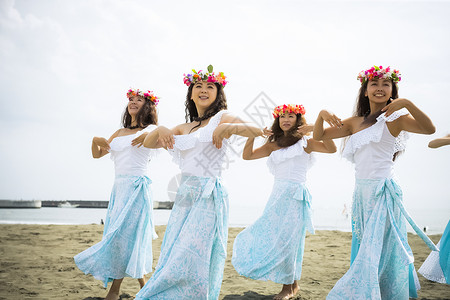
[65, 216]
[324, 218]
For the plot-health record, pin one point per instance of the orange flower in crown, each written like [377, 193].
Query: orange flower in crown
[288, 108]
[146, 95]
[209, 76]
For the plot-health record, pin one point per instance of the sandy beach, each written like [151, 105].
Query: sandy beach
[37, 263]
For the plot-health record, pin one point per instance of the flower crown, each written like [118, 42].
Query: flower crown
[189, 79]
[146, 95]
[288, 108]
[380, 73]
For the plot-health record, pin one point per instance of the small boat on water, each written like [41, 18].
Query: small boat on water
[162, 204]
[67, 204]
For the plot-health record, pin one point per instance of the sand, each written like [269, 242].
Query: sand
[37, 263]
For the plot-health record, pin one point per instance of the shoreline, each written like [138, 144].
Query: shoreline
[323, 219]
[317, 228]
[37, 263]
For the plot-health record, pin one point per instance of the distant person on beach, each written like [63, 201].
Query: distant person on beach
[126, 246]
[272, 248]
[381, 259]
[443, 141]
[437, 265]
[193, 251]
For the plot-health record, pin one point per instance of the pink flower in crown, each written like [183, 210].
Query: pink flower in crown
[220, 78]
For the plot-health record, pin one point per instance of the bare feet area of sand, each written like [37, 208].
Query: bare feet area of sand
[37, 263]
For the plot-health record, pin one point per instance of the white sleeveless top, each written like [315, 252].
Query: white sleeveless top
[131, 160]
[372, 149]
[291, 163]
[195, 153]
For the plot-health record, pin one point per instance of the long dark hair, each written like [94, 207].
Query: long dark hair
[292, 136]
[146, 115]
[362, 108]
[191, 111]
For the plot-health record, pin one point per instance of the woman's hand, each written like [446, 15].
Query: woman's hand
[100, 146]
[139, 141]
[102, 143]
[330, 118]
[304, 129]
[267, 132]
[337, 129]
[223, 131]
[166, 137]
[395, 105]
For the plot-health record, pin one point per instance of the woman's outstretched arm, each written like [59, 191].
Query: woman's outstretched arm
[100, 146]
[443, 141]
[160, 137]
[337, 127]
[249, 153]
[418, 122]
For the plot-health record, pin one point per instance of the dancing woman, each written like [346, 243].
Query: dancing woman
[381, 259]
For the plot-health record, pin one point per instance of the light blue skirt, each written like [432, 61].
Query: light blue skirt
[126, 247]
[193, 251]
[444, 258]
[437, 265]
[382, 261]
[272, 248]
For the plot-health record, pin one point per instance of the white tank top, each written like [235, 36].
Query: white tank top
[372, 149]
[195, 153]
[131, 160]
[291, 163]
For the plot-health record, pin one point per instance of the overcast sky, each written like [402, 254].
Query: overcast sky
[65, 67]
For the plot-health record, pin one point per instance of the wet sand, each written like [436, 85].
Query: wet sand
[37, 263]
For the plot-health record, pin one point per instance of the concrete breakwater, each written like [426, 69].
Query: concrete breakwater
[20, 203]
[70, 204]
[98, 204]
[76, 203]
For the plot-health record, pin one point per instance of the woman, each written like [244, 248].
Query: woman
[272, 248]
[193, 251]
[381, 259]
[126, 246]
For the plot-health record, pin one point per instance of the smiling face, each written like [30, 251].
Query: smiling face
[287, 121]
[135, 104]
[203, 94]
[379, 90]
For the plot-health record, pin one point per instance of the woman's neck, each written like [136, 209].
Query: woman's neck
[376, 107]
[133, 121]
[200, 112]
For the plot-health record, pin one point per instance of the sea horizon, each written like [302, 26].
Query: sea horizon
[324, 218]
